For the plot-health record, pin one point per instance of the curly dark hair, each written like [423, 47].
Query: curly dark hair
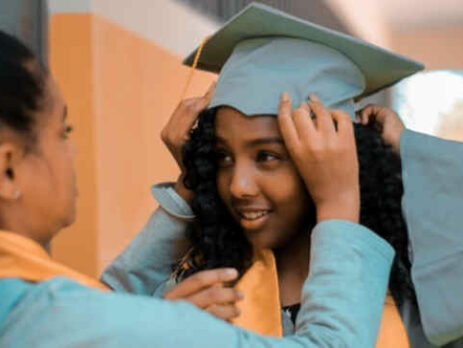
[218, 241]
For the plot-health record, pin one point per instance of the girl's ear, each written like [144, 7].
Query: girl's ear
[10, 154]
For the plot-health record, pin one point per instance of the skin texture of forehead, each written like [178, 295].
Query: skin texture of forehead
[249, 126]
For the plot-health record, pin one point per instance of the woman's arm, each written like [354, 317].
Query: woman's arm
[145, 266]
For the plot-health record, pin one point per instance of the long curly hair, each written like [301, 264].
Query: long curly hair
[218, 241]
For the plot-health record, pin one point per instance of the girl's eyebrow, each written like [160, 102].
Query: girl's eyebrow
[262, 141]
[255, 142]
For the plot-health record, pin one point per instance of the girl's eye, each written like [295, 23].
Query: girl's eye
[265, 156]
[223, 159]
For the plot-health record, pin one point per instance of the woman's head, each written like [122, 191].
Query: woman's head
[237, 165]
[37, 179]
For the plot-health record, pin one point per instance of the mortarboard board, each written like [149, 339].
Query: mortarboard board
[262, 52]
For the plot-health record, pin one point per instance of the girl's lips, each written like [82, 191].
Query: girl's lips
[253, 220]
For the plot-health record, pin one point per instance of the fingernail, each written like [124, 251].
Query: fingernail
[314, 98]
[285, 97]
[239, 294]
[231, 272]
[304, 105]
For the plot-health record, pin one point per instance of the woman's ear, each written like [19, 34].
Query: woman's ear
[10, 154]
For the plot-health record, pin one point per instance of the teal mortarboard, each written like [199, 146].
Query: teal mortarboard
[262, 52]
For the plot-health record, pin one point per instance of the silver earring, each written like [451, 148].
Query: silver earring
[16, 194]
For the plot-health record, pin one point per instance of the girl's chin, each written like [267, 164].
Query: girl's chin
[262, 240]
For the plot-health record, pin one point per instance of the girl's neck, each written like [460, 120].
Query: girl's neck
[293, 267]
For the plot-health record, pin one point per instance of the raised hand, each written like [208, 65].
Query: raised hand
[325, 153]
[208, 291]
[385, 121]
[176, 132]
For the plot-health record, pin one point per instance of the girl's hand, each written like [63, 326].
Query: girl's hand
[385, 121]
[325, 153]
[207, 290]
[177, 130]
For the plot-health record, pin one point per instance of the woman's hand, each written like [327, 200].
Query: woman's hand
[177, 130]
[385, 121]
[325, 153]
[207, 291]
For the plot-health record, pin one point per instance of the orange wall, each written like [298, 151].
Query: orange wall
[119, 101]
[71, 63]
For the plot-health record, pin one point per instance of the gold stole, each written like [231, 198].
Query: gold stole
[23, 258]
[261, 308]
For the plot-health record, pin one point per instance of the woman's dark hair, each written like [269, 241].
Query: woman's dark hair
[218, 241]
[21, 87]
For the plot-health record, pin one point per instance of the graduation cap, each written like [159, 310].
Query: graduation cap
[262, 52]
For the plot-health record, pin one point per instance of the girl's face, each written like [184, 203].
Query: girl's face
[257, 180]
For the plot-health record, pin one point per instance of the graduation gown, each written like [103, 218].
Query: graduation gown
[432, 171]
[145, 266]
[45, 304]
[433, 208]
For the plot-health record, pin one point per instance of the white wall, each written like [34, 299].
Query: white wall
[73, 6]
[364, 18]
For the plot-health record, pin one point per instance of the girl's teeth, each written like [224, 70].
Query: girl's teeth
[253, 216]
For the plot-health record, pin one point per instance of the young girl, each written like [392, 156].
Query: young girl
[249, 194]
[249, 188]
[252, 190]
[248, 174]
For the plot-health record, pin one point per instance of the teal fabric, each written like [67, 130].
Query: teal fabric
[62, 313]
[416, 155]
[259, 70]
[171, 201]
[380, 68]
[145, 266]
[433, 208]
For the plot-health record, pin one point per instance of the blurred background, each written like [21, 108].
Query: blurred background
[118, 64]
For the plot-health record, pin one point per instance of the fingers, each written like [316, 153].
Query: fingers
[187, 111]
[224, 312]
[343, 121]
[298, 125]
[285, 121]
[193, 106]
[177, 130]
[323, 116]
[207, 98]
[303, 122]
[217, 295]
[371, 113]
[200, 281]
